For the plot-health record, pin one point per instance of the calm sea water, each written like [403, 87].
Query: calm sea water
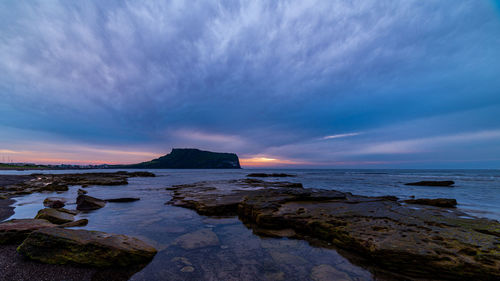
[242, 255]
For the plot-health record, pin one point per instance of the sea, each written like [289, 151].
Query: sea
[240, 254]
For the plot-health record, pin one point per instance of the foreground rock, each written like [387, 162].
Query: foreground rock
[423, 243]
[431, 183]
[274, 175]
[14, 185]
[15, 267]
[54, 216]
[15, 231]
[91, 248]
[89, 203]
[439, 202]
[54, 202]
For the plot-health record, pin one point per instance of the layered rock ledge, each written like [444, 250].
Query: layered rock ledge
[410, 242]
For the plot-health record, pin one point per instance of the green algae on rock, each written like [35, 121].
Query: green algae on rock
[91, 248]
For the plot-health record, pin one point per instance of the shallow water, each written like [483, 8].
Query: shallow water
[241, 255]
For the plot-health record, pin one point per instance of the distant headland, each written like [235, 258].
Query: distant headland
[189, 158]
[178, 158]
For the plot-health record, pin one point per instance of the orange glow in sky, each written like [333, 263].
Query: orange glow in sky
[77, 155]
[268, 162]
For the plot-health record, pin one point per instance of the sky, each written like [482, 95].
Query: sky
[299, 84]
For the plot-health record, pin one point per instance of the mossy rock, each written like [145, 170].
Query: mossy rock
[83, 247]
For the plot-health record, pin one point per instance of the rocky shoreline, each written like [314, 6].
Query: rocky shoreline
[418, 239]
[47, 239]
[414, 241]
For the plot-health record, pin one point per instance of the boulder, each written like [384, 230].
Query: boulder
[439, 202]
[431, 183]
[54, 202]
[84, 247]
[198, 239]
[82, 192]
[15, 231]
[123, 200]
[54, 216]
[88, 203]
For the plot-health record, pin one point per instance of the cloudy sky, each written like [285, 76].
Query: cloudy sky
[345, 83]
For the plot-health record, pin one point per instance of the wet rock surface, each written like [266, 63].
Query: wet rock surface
[14, 266]
[54, 202]
[417, 243]
[14, 185]
[439, 202]
[15, 231]
[89, 203]
[220, 198]
[91, 248]
[431, 183]
[81, 222]
[54, 216]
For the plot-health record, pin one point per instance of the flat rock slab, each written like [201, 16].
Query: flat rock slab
[15, 231]
[431, 183]
[416, 243]
[54, 216]
[198, 239]
[221, 198]
[439, 202]
[91, 248]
